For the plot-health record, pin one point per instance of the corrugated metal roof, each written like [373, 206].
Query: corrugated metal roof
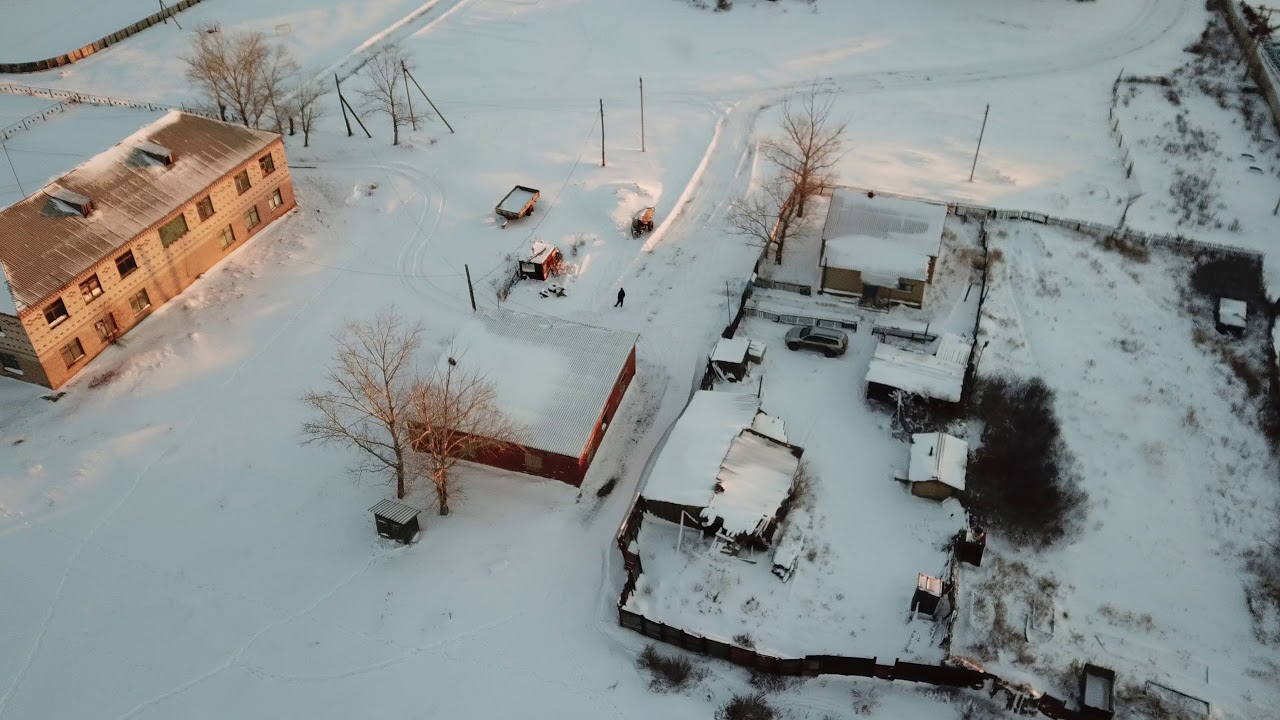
[552, 376]
[886, 236]
[394, 511]
[42, 251]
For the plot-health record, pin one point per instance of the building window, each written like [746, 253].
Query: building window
[140, 301]
[56, 312]
[905, 286]
[266, 164]
[204, 208]
[242, 181]
[107, 328]
[72, 352]
[251, 218]
[91, 289]
[228, 237]
[172, 230]
[532, 461]
[276, 199]
[10, 363]
[126, 264]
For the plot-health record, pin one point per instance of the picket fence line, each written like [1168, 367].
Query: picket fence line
[98, 45]
[67, 99]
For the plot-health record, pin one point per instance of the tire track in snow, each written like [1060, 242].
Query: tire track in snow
[435, 11]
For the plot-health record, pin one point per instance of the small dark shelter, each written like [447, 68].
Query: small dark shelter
[542, 262]
[396, 521]
[730, 357]
[972, 545]
[927, 596]
[1231, 316]
[1097, 692]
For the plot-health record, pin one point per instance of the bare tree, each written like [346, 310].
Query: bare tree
[306, 103]
[279, 72]
[386, 92]
[455, 417]
[767, 216]
[810, 146]
[365, 403]
[206, 66]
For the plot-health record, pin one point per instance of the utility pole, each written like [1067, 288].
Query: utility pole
[424, 94]
[601, 132]
[341, 103]
[11, 168]
[642, 114]
[981, 132]
[412, 120]
[168, 15]
[470, 290]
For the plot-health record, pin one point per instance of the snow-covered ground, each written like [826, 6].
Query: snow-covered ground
[177, 554]
[1164, 439]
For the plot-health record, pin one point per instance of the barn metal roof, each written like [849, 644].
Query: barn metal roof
[394, 511]
[44, 246]
[551, 376]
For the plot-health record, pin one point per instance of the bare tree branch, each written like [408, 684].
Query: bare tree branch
[306, 103]
[810, 147]
[455, 417]
[241, 72]
[386, 93]
[365, 404]
[768, 216]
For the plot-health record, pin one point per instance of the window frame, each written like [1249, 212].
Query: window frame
[66, 351]
[16, 367]
[56, 321]
[90, 296]
[267, 164]
[257, 218]
[276, 200]
[242, 175]
[180, 217]
[134, 305]
[228, 237]
[206, 201]
[127, 253]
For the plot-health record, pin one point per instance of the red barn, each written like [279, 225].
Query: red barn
[561, 380]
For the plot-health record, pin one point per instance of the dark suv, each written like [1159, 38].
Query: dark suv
[825, 340]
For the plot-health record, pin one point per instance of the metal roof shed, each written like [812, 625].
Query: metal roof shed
[396, 521]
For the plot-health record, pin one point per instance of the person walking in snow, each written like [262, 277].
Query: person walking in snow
[621, 294]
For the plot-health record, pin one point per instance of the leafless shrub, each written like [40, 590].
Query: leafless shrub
[771, 683]
[723, 5]
[667, 673]
[744, 640]
[1136, 252]
[746, 707]
[1195, 196]
[386, 93]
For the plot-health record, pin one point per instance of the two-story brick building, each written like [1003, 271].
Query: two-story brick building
[94, 252]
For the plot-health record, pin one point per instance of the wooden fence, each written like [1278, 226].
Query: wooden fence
[98, 45]
[69, 99]
[792, 319]
[1253, 56]
[779, 285]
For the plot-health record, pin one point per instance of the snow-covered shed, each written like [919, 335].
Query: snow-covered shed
[718, 473]
[1232, 316]
[730, 357]
[937, 377]
[938, 465]
[561, 381]
[543, 261]
[880, 247]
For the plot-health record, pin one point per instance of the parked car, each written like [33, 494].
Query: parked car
[825, 340]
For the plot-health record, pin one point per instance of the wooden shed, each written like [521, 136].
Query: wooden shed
[730, 357]
[396, 521]
[928, 594]
[1231, 316]
[543, 262]
[938, 465]
[1097, 692]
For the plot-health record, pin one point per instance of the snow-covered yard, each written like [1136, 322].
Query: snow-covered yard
[1160, 415]
[170, 551]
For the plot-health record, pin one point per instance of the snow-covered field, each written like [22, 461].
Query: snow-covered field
[168, 548]
[1165, 440]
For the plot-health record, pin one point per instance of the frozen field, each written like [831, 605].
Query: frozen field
[176, 553]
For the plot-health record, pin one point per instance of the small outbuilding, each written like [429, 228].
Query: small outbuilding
[730, 357]
[543, 262]
[1097, 692]
[396, 521]
[1232, 316]
[937, 377]
[928, 595]
[938, 465]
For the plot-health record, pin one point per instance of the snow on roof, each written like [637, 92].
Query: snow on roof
[43, 251]
[686, 468]
[1232, 313]
[552, 376]
[7, 304]
[938, 457]
[770, 427]
[540, 251]
[731, 350]
[515, 201]
[939, 376]
[884, 237]
[755, 478]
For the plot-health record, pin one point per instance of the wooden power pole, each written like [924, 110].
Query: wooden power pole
[981, 132]
[641, 114]
[601, 132]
